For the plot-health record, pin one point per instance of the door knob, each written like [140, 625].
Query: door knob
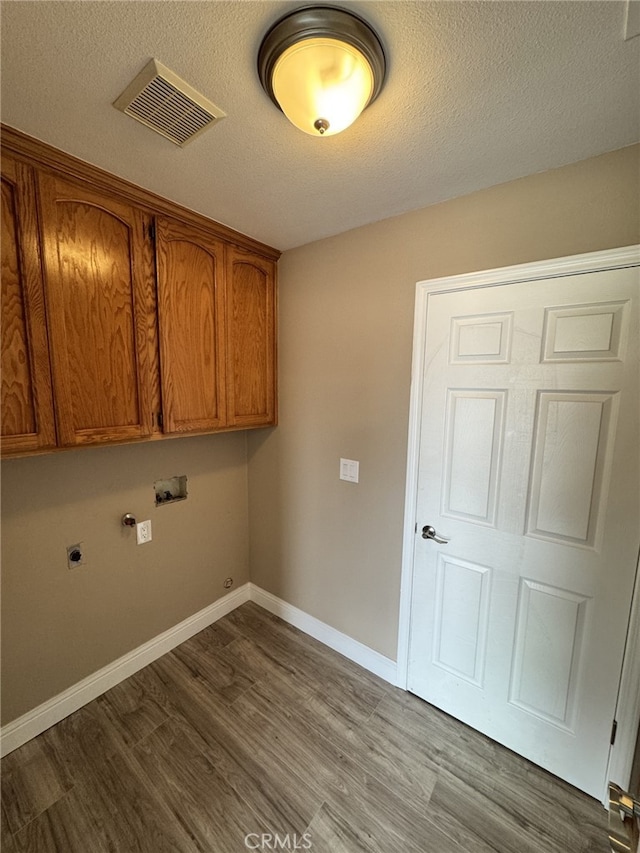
[429, 532]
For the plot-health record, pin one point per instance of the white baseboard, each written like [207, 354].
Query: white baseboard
[51, 712]
[366, 657]
[38, 720]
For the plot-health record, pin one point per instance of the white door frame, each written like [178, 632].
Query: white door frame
[628, 704]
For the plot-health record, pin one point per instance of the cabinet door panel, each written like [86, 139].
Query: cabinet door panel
[251, 368]
[191, 328]
[98, 294]
[27, 407]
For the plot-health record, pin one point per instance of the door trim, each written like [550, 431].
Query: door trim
[628, 706]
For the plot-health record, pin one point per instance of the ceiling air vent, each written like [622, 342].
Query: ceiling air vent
[165, 103]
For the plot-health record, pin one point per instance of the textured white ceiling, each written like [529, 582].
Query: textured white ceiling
[477, 93]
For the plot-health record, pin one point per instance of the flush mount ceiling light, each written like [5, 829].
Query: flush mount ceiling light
[321, 66]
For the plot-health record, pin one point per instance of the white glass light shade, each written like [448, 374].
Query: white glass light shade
[322, 80]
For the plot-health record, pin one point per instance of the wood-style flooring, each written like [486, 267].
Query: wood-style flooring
[252, 735]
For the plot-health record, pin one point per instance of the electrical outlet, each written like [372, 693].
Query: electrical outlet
[143, 532]
[75, 556]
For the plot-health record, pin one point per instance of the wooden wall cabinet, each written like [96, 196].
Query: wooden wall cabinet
[124, 316]
[26, 397]
[99, 289]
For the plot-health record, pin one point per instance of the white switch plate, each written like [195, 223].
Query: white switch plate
[349, 470]
[143, 532]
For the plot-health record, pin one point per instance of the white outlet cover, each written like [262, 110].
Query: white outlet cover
[143, 532]
[349, 470]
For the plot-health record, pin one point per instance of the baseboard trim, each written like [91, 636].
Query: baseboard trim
[34, 722]
[356, 651]
[38, 720]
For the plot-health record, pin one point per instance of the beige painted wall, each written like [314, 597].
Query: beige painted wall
[58, 626]
[346, 323]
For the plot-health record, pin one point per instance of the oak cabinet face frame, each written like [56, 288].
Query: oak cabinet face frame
[129, 320]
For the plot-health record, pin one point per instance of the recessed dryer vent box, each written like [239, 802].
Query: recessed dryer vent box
[171, 490]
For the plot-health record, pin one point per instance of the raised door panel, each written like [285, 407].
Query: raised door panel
[571, 467]
[474, 429]
[461, 618]
[27, 407]
[251, 339]
[191, 328]
[99, 287]
[549, 645]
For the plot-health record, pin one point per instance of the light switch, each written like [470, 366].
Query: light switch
[349, 470]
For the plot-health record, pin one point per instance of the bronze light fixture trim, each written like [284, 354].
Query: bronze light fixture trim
[321, 66]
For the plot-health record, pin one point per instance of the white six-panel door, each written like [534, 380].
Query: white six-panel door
[529, 464]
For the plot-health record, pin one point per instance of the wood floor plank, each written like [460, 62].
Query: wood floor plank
[7, 843]
[265, 628]
[346, 779]
[199, 798]
[31, 782]
[227, 678]
[387, 820]
[343, 683]
[67, 826]
[381, 752]
[390, 816]
[6, 835]
[81, 742]
[131, 712]
[263, 662]
[216, 636]
[128, 814]
[330, 833]
[254, 727]
[111, 810]
[494, 773]
[282, 802]
[455, 803]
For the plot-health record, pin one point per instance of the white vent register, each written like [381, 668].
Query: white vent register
[165, 103]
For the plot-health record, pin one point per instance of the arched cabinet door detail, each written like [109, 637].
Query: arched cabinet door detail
[100, 290]
[27, 404]
[251, 338]
[190, 270]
